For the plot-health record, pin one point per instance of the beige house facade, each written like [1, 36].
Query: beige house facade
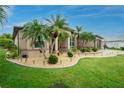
[32, 50]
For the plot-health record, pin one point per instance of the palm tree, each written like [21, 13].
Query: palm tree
[87, 37]
[3, 14]
[78, 29]
[58, 26]
[36, 31]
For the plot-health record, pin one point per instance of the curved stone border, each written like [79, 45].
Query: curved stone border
[41, 66]
[74, 62]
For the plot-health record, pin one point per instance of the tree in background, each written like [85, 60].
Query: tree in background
[6, 35]
[6, 42]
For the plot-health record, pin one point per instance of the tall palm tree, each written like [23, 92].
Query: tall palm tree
[57, 25]
[78, 29]
[3, 14]
[36, 31]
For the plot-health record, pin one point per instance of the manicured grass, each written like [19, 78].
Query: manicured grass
[89, 72]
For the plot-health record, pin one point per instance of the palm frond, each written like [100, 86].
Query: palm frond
[3, 14]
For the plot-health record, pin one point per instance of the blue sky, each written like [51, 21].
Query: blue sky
[107, 21]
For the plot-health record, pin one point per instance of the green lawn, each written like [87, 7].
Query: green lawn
[89, 72]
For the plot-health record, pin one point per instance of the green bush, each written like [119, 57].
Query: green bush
[12, 54]
[88, 49]
[114, 48]
[85, 50]
[74, 49]
[7, 44]
[94, 49]
[70, 54]
[122, 48]
[82, 50]
[53, 59]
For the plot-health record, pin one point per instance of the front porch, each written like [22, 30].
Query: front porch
[66, 45]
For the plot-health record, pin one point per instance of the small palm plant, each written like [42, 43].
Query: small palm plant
[57, 25]
[36, 31]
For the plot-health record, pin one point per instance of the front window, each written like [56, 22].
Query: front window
[37, 44]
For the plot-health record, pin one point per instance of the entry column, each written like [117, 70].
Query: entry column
[56, 44]
[68, 43]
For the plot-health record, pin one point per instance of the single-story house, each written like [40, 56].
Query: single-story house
[33, 50]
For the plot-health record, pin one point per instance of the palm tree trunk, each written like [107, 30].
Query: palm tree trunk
[84, 43]
[52, 46]
[78, 45]
[42, 49]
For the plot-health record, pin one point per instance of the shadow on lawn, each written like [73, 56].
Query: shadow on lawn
[58, 84]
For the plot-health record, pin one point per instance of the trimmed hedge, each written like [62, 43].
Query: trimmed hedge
[53, 59]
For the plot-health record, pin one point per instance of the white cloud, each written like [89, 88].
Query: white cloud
[20, 23]
[103, 11]
[96, 14]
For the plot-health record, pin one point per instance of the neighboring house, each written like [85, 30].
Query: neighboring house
[33, 50]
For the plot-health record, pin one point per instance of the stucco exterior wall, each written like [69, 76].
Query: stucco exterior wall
[16, 41]
[96, 44]
[27, 48]
[33, 53]
[20, 42]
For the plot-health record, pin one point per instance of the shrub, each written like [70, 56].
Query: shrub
[12, 54]
[52, 59]
[94, 49]
[8, 55]
[6, 43]
[85, 50]
[74, 49]
[82, 50]
[122, 48]
[70, 54]
[88, 49]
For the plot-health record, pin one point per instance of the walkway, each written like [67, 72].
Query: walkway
[64, 60]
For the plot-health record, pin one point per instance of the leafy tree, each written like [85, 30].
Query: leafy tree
[6, 42]
[5, 35]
